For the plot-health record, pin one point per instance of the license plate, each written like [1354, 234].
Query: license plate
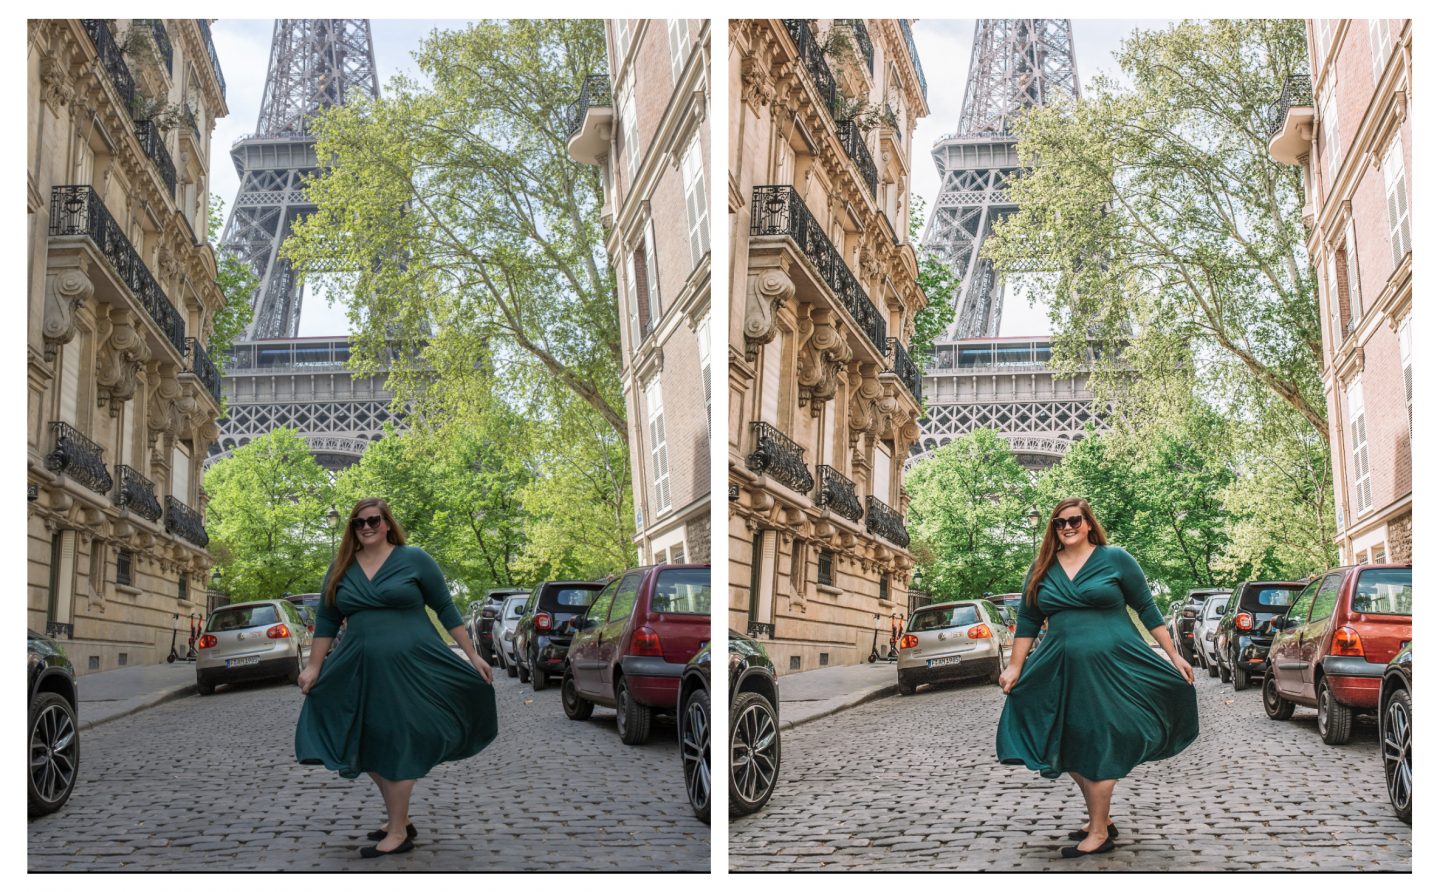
[241, 661]
[942, 661]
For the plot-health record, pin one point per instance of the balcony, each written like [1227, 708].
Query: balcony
[778, 210]
[780, 457]
[112, 60]
[78, 457]
[182, 521]
[854, 143]
[77, 210]
[162, 42]
[136, 493]
[214, 59]
[200, 365]
[812, 59]
[902, 366]
[837, 492]
[914, 56]
[882, 520]
[152, 143]
[862, 40]
[1292, 120]
[589, 120]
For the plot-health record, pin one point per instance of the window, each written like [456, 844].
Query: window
[622, 41]
[1332, 288]
[123, 563]
[679, 46]
[1379, 46]
[1404, 369]
[1325, 598]
[632, 303]
[762, 580]
[659, 456]
[180, 473]
[601, 608]
[702, 335]
[696, 202]
[825, 567]
[184, 592]
[1383, 591]
[884, 586]
[625, 598]
[948, 618]
[1330, 128]
[682, 591]
[1397, 202]
[1352, 278]
[1322, 41]
[1359, 451]
[629, 131]
[647, 287]
[1300, 610]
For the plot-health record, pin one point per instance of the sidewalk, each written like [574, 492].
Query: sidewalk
[106, 696]
[807, 696]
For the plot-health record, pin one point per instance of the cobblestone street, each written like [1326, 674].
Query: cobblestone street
[911, 783]
[211, 784]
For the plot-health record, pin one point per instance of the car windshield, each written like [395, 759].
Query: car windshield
[682, 591]
[947, 618]
[1383, 591]
[578, 598]
[232, 618]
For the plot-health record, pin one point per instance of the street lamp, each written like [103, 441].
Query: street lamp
[1034, 517]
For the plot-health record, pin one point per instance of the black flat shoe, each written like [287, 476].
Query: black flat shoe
[1076, 835]
[1076, 852]
[374, 851]
[410, 833]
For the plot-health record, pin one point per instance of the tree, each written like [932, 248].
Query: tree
[938, 282]
[1160, 226]
[968, 507]
[237, 282]
[267, 517]
[458, 228]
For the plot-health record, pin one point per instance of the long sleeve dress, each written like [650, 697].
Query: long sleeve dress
[1093, 697]
[394, 699]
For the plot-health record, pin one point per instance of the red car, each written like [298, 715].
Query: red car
[1331, 649]
[631, 647]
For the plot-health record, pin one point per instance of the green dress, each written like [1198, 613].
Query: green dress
[1093, 697]
[393, 698]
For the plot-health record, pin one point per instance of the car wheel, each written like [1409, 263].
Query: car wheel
[999, 668]
[576, 707]
[1276, 706]
[754, 753]
[695, 751]
[1395, 720]
[54, 753]
[1239, 679]
[512, 667]
[206, 688]
[520, 670]
[1335, 717]
[632, 719]
[907, 687]
[1224, 672]
[293, 676]
[537, 675]
[1213, 666]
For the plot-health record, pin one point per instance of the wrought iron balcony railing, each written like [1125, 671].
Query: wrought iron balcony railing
[854, 142]
[152, 142]
[812, 58]
[779, 210]
[1297, 93]
[862, 40]
[137, 493]
[882, 520]
[214, 59]
[594, 92]
[181, 520]
[111, 59]
[914, 55]
[78, 210]
[77, 456]
[780, 457]
[837, 492]
[903, 366]
[162, 42]
[202, 367]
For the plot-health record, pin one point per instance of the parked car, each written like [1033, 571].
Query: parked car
[692, 729]
[951, 641]
[631, 647]
[1395, 715]
[1331, 650]
[1009, 599]
[309, 604]
[503, 632]
[1205, 625]
[54, 728]
[1182, 623]
[482, 619]
[542, 636]
[754, 726]
[1247, 626]
[249, 641]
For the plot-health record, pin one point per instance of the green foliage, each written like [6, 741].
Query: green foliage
[938, 282]
[267, 518]
[237, 281]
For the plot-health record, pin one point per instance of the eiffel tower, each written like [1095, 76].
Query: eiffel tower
[974, 377]
[275, 379]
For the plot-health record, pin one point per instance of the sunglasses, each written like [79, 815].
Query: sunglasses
[359, 523]
[1072, 522]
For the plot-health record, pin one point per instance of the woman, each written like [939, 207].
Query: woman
[394, 702]
[1095, 700]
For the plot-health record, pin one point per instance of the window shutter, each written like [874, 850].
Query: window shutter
[696, 202]
[1396, 202]
[659, 454]
[1379, 46]
[1352, 277]
[642, 289]
[679, 47]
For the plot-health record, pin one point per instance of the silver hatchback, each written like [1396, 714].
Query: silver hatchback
[250, 641]
[952, 641]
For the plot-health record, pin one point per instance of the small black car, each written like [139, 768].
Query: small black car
[754, 726]
[692, 726]
[54, 729]
[1242, 640]
[1183, 630]
[542, 637]
[1395, 731]
[482, 620]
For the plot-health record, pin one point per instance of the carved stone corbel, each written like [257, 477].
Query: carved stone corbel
[766, 289]
[65, 289]
[821, 355]
[757, 86]
[120, 354]
[864, 399]
[57, 90]
[163, 417]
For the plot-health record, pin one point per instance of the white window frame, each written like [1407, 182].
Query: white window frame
[622, 41]
[697, 209]
[702, 336]
[1332, 286]
[1379, 47]
[632, 303]
[652, 276]
[631, 130]
[1355, 297]
[659, 453]
[1330, 128]
[1404, 334]
[1359, 447]
[1397, 201]
[679, 34]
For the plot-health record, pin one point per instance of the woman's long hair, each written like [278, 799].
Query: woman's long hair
[395, 535]
[1051, 546]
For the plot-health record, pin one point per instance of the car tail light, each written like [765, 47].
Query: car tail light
[1012, 627]
[207, 641]
[1347, 643]
[1244, 622]
[280, 631]
[542, 622]
[645, 643]
[978, 632]
[310, 629]
[909, 641]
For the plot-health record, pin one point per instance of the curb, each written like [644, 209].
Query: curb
[140, 704]
[875, 694]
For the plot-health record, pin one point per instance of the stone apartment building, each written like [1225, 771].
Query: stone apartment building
[1346, 122]
[122, 398]
[646, 125]
[824, 398]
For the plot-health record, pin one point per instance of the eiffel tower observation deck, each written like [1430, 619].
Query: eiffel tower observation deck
[975, 378]
[275, 379]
